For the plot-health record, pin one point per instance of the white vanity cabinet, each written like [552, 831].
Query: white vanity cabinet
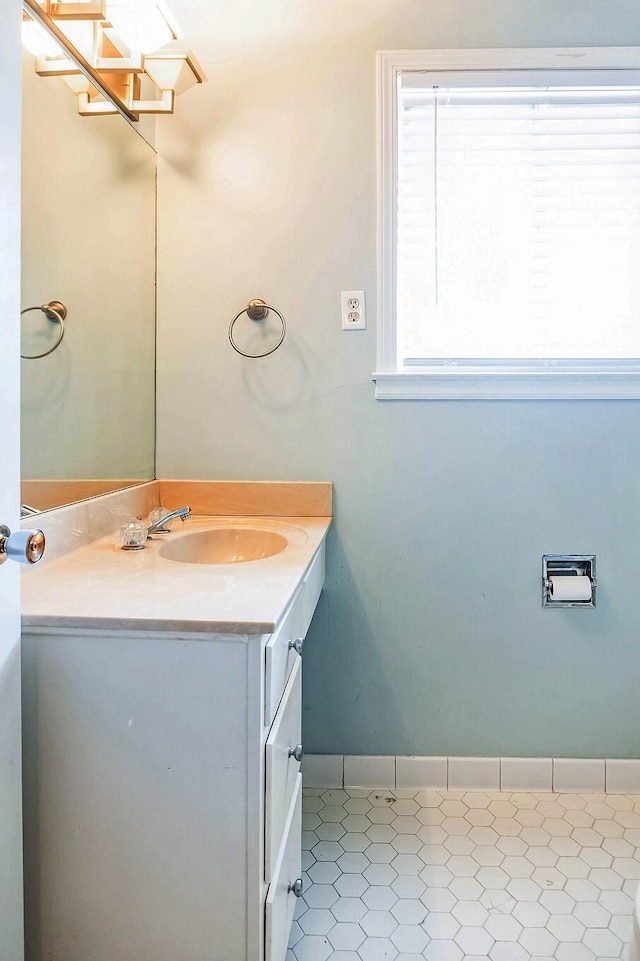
[163, 790]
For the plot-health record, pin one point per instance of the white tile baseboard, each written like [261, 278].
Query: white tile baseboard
[622, 776]
[558, 775]
[322, 770]
[369, 771]
[422, 773]
[578, 774]
[474, 773]
[526, 774]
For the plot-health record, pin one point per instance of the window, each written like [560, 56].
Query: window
[509, 247]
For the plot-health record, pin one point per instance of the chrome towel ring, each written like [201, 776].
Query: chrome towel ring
[257, 310]
[56, 312]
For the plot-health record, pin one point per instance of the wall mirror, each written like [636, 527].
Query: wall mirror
[88, 241]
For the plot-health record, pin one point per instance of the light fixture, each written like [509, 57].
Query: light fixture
[118, 56]
[144, 25]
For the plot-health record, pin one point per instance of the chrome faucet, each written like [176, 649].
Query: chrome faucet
[182, 513]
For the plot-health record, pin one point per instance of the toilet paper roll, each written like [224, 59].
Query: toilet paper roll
[570, 588]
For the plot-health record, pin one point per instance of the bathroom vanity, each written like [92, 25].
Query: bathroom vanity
[162, 743]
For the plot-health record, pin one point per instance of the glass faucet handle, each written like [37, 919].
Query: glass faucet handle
[156, 515]
[133, 535]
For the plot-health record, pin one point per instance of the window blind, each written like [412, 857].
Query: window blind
[517, 217]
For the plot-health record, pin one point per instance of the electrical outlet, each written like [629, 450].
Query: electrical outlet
[354, 316]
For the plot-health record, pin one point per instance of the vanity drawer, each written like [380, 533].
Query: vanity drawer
[312, 587]
[280, 657]
[281, 768]
[281, 900]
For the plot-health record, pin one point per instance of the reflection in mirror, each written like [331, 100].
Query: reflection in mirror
[88, 241]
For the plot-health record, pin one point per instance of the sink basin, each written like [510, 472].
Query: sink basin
[224, 545]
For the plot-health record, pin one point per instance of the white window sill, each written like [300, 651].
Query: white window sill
[525, 380]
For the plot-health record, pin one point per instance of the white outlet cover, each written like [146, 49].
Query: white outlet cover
[353, 310]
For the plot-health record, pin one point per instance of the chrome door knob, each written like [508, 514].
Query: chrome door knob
[297, 645]
[26, 547]
[296, 752]
[296, 888]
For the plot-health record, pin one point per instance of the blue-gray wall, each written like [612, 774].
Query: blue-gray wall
[429, 637]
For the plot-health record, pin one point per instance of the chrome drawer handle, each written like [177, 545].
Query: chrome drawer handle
[296, 888]
[297, 645]
[296, 752]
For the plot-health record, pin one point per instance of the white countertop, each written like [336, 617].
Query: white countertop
[100, 586]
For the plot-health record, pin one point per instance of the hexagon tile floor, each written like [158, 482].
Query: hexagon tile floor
[397, 875]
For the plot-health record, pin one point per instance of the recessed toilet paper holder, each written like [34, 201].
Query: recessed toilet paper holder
[568, 565]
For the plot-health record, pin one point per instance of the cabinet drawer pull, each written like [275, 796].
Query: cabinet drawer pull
[296, 888]
[297, 645]
[296, 752]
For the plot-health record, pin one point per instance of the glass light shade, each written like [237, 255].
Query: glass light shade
[77, 82]
[114, 52]
[142, 24]
[38, 42]
[76, 9]
[81, 34]
[175, 71]
[90, 102]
